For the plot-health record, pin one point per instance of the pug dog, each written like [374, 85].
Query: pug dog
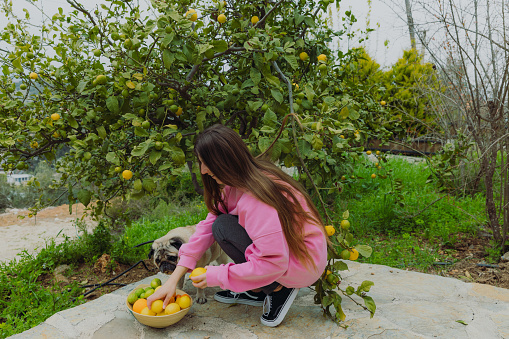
[165, 251]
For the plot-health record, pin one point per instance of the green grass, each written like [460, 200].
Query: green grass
[405, 227]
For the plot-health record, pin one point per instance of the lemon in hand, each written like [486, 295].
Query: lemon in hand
[198, 271]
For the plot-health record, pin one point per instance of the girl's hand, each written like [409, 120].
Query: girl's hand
[168, 289]
[199, 281]
[165, 292]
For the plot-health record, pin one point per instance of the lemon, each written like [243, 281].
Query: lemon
[345, 254]
[33, 76]
[157, 306]
[221, 18]
[179, 111]
[322, 57]
[127, 174]
[303, 56]
[354, 254]
[184, 301]
[198, 271]
[138, 291]
[345, 224]
[55, 116]
[254, 19]
[383, 103]
[172, 308]
[146, 311]
[368, 152]
[373, 176]
[131, 299]
[192, 15]
[330, 230]
[156, 282]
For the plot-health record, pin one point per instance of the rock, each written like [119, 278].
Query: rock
[59, 278]
[505, 257]
[61, 269]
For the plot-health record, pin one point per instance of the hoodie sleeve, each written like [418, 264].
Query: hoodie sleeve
[267, 257]
[202, 239]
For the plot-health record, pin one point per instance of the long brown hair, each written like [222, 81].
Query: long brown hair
[228, 158]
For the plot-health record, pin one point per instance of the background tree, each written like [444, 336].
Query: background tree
[468, 45]
[128, 90]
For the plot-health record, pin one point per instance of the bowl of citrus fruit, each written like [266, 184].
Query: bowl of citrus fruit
[157, 317]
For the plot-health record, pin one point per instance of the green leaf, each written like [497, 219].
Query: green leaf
[255, 75]
[310, 93]
[168, 58]
[254, 105]
[177, 155]
[327, 300]
[140, 132]
[113, 158]
[148, 184]
[270, 118]
[101, 131]
[317, 143]
[292, 60]
[354, 114]
[350, 290]
[263, 143]
[72, 122]
[112, 104]
[204, 47]
[220, 45]
[461, 322]
[339, 313]
[365, 286]
[277, 95]
[364, 250]
[344, 112]
[370, 304]
[200, 119]
[154, 156]
[168, 38]
[84, 196]
[17, 64]
[140, 149]
[81, 86]
[340, 266]
[304, 147]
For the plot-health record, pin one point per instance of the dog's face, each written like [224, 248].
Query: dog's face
[165, 254]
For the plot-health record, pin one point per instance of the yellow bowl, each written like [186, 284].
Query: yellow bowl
[158, 321]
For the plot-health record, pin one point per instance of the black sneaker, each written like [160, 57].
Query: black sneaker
[276, 306]
[246, 298]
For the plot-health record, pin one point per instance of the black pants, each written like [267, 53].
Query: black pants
[234, 240]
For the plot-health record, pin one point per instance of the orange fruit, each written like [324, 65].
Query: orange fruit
[139, 305]
[172, 308]
[198, 271]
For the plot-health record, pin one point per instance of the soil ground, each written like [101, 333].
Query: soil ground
[468, 252]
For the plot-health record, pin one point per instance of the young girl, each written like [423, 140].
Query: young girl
[263, 219]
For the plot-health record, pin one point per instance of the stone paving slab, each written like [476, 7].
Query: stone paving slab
[409, 305]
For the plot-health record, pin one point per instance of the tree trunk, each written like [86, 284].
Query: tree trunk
[410, 22]
[196, 185]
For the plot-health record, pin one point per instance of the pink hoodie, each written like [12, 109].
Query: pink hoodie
[268, 257]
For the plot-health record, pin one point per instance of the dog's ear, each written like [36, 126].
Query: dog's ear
[151, 253]
[176, 242]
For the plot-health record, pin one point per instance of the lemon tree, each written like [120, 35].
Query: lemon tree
[127, 90]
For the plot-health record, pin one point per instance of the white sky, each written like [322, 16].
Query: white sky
[392, 28]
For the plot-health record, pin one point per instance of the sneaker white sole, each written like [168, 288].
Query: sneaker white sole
[282, 313]
[237, 301]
